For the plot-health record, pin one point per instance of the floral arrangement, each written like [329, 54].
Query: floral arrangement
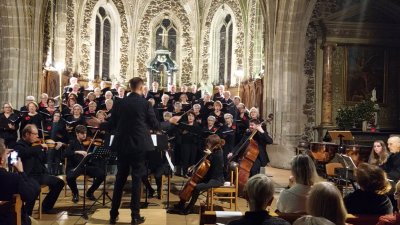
[350, 116]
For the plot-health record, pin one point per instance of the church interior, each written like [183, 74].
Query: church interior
[314, 67]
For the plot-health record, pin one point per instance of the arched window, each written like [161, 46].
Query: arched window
[166, 37]
[102, 45]
[225, 51]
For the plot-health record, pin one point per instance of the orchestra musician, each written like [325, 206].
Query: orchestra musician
[262, 138]
[75, 153]
[132, 119]
[213, 178]
[34, 159]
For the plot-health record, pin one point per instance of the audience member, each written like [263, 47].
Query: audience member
[395, 218]
[371, 198]
[293, 199]
[259, 193]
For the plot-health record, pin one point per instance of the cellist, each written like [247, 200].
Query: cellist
[213, 178]
[262, 138]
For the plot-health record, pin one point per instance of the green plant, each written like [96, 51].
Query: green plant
[349, 116]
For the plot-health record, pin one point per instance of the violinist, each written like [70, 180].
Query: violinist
[34, 159]
[262, 138]
[213, 178]
[75, 153]
[8, 128]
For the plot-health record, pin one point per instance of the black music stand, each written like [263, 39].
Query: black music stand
[83, 213]
[104, 154]
[348, 165]
[342, 136]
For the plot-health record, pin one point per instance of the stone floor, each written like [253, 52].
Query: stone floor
[65, 206]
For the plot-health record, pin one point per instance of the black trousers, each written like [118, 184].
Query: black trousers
[203, 187]
[137, 168]
[55, 186]
[91, 171]
[53, 161]
[157, 173]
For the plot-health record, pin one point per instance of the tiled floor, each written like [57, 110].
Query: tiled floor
[64, 205]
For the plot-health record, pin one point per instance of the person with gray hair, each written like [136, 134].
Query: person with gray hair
[293, 199]
[259, 193]
[228, 133]
[392, 165]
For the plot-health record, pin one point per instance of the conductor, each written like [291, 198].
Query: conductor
[131, 120]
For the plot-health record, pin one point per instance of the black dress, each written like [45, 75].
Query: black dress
[9, 135]
[188, 141]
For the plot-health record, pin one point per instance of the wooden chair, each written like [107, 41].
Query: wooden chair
[164, 180]
[232, 190]
[14, 207]
[44, 189]
[330, 169]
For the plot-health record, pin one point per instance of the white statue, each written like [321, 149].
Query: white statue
[373, 98]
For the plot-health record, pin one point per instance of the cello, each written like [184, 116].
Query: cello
[247, 157]
[198, 172]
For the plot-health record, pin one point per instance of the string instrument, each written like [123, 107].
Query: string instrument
[52, 144]
[199, 171]
[248, 157]
[175, 119]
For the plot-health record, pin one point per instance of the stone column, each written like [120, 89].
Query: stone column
[326, 118]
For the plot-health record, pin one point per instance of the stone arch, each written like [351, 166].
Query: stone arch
[86, 35]
[239, 41]
[154, 8]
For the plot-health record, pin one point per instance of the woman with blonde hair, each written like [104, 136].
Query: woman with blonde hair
[395, 218]
[371, 198]
[304, 173]
[379, 153]
[326, 201]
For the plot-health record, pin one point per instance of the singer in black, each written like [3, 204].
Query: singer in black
[262, 138]
[132, 119]
[75, 153]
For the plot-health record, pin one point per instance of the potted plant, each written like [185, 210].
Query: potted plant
[345, 118]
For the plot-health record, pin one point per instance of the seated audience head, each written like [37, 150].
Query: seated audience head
[312, 220]
[137, 85]
[30, 133]
[259, 192]
[303, 170]
[394, 144]
[372, 179]
[325, 200]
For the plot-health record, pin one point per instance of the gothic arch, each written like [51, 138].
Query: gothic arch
[239, 39]
[86, 36]
[144, 39]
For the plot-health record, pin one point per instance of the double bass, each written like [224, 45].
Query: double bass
[247, 157]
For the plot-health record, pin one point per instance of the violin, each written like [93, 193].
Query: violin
[52, 144]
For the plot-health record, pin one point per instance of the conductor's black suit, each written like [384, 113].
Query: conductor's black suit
[132, 119]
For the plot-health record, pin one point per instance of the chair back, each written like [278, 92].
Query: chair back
[12, 207]
[330, 168]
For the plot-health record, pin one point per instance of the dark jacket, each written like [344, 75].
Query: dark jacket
[74, 159]
[368, 203]
[216, 171]
[17, 183]
[132, 119]
[33, 158]
[259, 218]
[392, 167]
[262, 139]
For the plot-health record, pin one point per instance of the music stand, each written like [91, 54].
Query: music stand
[342, 136]
[104, 154]
[348, 164]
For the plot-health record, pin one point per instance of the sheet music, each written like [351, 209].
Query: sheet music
[170, 162]
[111, 139]
[230, 214]
[154, 138]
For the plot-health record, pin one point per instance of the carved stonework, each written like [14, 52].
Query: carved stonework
[234, 5]
[85, 37]
[322, 8]
[143, 52]
[252, 38]
[69, 35]
[46, 31]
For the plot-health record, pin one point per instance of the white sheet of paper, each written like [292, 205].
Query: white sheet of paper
[170, 162]
[224, 214]
[111, 139]
[154, 138]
